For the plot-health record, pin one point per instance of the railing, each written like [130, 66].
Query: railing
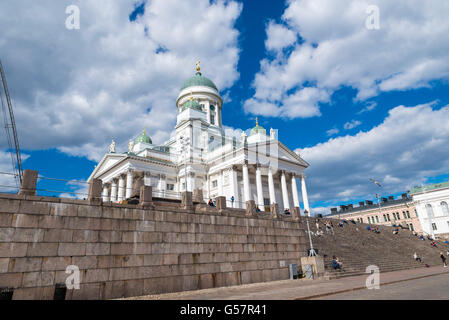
[49, 187]
[167, 194]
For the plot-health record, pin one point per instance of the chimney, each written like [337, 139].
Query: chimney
[390, 198]
[384, 200]
[369, 202]
[404, 196]
[333, 210]
[361, 204]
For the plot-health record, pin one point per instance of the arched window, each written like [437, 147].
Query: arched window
[429, 210]
[444, 208]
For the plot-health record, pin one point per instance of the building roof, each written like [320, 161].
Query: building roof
[367, 207]
[430, 187]
[198, 80]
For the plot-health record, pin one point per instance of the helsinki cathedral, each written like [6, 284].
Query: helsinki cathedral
[202, 159]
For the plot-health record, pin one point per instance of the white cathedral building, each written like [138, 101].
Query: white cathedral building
[199, 156]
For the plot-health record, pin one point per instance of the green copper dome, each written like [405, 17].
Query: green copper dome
[198, 80]
[192, 104]
[258, 129]
[143, 138]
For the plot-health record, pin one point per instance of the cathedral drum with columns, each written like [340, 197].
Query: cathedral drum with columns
[200, 158]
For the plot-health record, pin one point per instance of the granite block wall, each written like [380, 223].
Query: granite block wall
[124, 250]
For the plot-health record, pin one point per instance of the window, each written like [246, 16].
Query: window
[212, 107]
[377, 219]
[183, 186]
[266, 201]
[429, 210]
[448, 223]
[408, 214]
[385, 218]
[388, 217]
[214, 184]
[434, 226]
[170, 186]
[361, 219]
[416, 213]
[405, 214]
[444, 208]
[411, 227]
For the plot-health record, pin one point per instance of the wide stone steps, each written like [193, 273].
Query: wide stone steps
[358, 248]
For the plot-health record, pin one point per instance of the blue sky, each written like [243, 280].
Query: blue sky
[342, 105]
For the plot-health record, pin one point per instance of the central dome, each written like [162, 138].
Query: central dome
[198, 80]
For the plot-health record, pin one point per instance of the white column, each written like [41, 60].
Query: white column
[192, 181]
[271, 186]
[114, 190]
[305, 199]
[162, 184]
[259, 188]
[235, 187]
[105, 193]
[246, 183]
[220, 183]
[121, 188]
[284, 191]
[147, 178]
[129, 183]
[295, 192]
[188, 181]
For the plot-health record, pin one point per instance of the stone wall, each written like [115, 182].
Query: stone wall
[124, 250]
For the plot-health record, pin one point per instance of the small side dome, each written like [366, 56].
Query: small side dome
[143, 138]
[258, 129]
[192, 104]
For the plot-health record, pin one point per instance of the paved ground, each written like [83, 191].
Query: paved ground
[433, 288]
[309, 289]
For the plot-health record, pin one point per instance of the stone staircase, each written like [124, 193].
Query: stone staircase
[358, 248]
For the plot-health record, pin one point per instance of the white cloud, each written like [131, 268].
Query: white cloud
[371, 105]
[410, 49]
[78, 89]
[278, 36]
[7, 180]
[332, 131]
[351, 124]
[409, 146]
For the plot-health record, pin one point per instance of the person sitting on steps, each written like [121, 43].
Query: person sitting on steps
[416, 257]
[211, 203]
[335, 263]
[257, 209]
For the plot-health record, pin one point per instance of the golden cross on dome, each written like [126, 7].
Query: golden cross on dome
[144, 131]
[257, 121]
[198, 66]
[191, 95]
